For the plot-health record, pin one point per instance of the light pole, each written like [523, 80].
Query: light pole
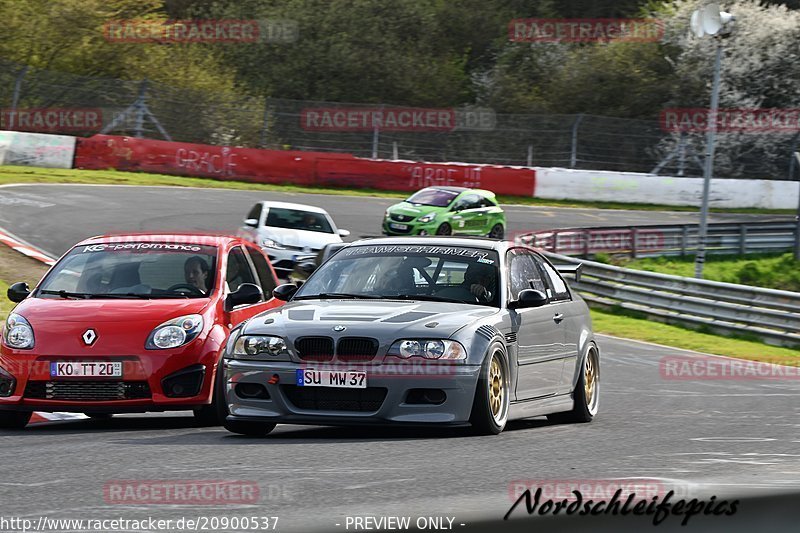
[797, 218]
[709, 21]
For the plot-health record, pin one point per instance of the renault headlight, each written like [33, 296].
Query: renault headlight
[427, 218]
[175, 332]
[260, 348]
[428, 349]
[18, 333]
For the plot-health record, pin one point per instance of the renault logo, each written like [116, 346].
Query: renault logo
[89, 336]
[339, 328]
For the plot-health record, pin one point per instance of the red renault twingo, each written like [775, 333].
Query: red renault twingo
[130, 323]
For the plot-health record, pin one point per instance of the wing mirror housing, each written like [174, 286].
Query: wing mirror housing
[252, 222]
[284, 292]
[247, 293]
[528, 298]
[344, 233]
[18, 292]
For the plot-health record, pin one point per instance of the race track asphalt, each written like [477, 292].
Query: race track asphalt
[699, 437]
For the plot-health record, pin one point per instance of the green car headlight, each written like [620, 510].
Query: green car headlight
[430, 217]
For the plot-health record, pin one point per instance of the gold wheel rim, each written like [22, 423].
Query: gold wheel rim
[590, 379]
[497, 390]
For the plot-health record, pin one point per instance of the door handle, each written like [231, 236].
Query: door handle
[557, 318]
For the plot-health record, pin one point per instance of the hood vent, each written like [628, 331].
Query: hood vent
[301, 314]
[411, 316]
[349, 318]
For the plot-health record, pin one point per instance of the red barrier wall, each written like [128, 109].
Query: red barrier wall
[303, 168]
[410, 176]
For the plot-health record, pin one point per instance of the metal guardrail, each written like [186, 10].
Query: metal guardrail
[772, 315]
[647, 241]
[768, 314]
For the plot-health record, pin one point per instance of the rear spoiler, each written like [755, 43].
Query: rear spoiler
[571, 270]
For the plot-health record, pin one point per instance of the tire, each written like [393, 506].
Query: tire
[251, 429]
[14, 419]
[214, 414]
[497, 232]
[492, 395]
[444, 229]
[586, 399]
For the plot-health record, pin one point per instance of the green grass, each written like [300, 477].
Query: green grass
[5, 304]
[776, 271]
[15, 174]
[669, 335]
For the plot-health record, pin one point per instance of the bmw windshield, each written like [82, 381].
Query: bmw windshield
[414, 272]
[133, 270]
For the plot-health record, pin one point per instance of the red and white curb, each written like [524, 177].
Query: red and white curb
[24, 248]
[42, 418]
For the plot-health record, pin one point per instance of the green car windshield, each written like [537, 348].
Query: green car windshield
[433, 197]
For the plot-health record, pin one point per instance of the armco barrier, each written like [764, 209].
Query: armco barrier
[303, 168]
[36, 149]
[642, 241]
[772, 315]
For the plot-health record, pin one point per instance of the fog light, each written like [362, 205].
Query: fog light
[7, 384]
[184, 383]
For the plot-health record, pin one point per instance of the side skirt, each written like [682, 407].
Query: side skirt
[540, 406]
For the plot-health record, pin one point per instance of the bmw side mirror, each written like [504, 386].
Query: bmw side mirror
[247, 293]
[252, 222]
[284, 292]
[344, 233]
[528, 298]
[18, 292]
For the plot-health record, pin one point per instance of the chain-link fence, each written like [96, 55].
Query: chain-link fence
[153, 110]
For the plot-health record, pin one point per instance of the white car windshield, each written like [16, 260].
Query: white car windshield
[422, 272]
[279, 217]
[133, 270]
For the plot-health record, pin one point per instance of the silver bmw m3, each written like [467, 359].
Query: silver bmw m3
[417, 331]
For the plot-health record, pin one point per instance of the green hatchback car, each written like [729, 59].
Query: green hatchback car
[446, 211]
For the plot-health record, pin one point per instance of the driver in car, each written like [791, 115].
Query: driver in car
[196, 272]
[479, 279]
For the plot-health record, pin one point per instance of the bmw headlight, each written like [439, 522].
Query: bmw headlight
[428, 349]
[271, 243]
[18, 333]
[427, 218]
[259, 348]
[175, 332]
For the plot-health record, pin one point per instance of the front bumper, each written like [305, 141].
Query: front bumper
[283, 260]
[155, 381]
[396, 406]
[412, 228]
